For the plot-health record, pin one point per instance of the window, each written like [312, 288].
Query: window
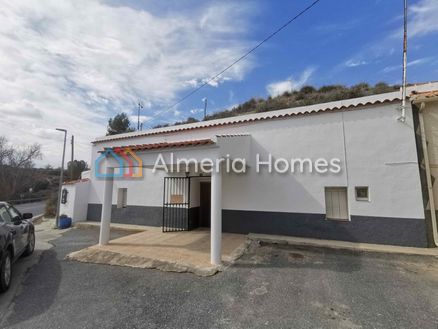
[64, 194]
[362, 193]
[4, 215]
[336, 203]
[14, 212]
[122, 197]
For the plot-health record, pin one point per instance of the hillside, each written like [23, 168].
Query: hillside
[307, 95]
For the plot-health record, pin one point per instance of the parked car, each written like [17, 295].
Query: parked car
[17, 238]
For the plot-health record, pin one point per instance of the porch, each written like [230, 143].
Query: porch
[187, 251]
[187, 193]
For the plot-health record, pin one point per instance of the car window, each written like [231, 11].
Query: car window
[4, 215]
[14, 212]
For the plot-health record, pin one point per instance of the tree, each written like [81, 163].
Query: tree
[75, 168]
[119, 124]
[41, 185]
[16, 168]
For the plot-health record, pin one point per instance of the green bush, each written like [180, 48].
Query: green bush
[51, 204]
[307, 95]
[41, 185]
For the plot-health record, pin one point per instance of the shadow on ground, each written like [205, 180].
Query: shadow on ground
[41, 285]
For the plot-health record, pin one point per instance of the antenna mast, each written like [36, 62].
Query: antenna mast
[405, 50]
[205, 107]
[140, 106]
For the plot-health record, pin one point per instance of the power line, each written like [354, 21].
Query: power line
[302, 12]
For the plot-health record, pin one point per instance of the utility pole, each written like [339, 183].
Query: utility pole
[140, 106]
[72, 155]
[205, 107]
[61, 177]
[405, 60]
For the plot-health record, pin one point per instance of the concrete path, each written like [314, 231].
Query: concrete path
[187, 251]
[343, 245]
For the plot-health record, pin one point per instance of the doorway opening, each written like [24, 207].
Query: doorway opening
[186, 203]
[204, 204]
[176, 204]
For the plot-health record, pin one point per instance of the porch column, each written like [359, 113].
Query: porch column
[105, 219]
[216, 217]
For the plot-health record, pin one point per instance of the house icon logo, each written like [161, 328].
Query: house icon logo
[129, 164]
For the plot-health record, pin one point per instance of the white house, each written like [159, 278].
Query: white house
[352, 170]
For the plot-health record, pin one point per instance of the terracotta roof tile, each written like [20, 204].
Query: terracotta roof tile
[425, 94]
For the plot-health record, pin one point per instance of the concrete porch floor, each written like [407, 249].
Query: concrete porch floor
[187, 251]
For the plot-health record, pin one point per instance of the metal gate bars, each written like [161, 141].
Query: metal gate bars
[176, 204]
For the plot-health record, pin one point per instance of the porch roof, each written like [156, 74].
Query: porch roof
[154, 146]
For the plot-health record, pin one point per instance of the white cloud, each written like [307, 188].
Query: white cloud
[196, 111]
[75, 63]
[212, 18]
[143, 119]
[279, 87]
[424, 18]
[415, 62]
[355, 62]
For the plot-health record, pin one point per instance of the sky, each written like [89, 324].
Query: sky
[73, 64]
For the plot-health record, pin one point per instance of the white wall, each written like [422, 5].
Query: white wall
[380, 153]
[77, 201]
[146, 190]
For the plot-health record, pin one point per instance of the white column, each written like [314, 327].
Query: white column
[216, 217]
[105, 219]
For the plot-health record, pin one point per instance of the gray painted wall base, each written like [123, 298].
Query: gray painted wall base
[381, 230]
[137, 215]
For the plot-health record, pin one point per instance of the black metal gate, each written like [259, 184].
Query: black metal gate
[176, 204]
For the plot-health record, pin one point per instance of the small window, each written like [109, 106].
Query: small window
[362, 193]
[336, 203]
[64, 194]
[122, 197]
